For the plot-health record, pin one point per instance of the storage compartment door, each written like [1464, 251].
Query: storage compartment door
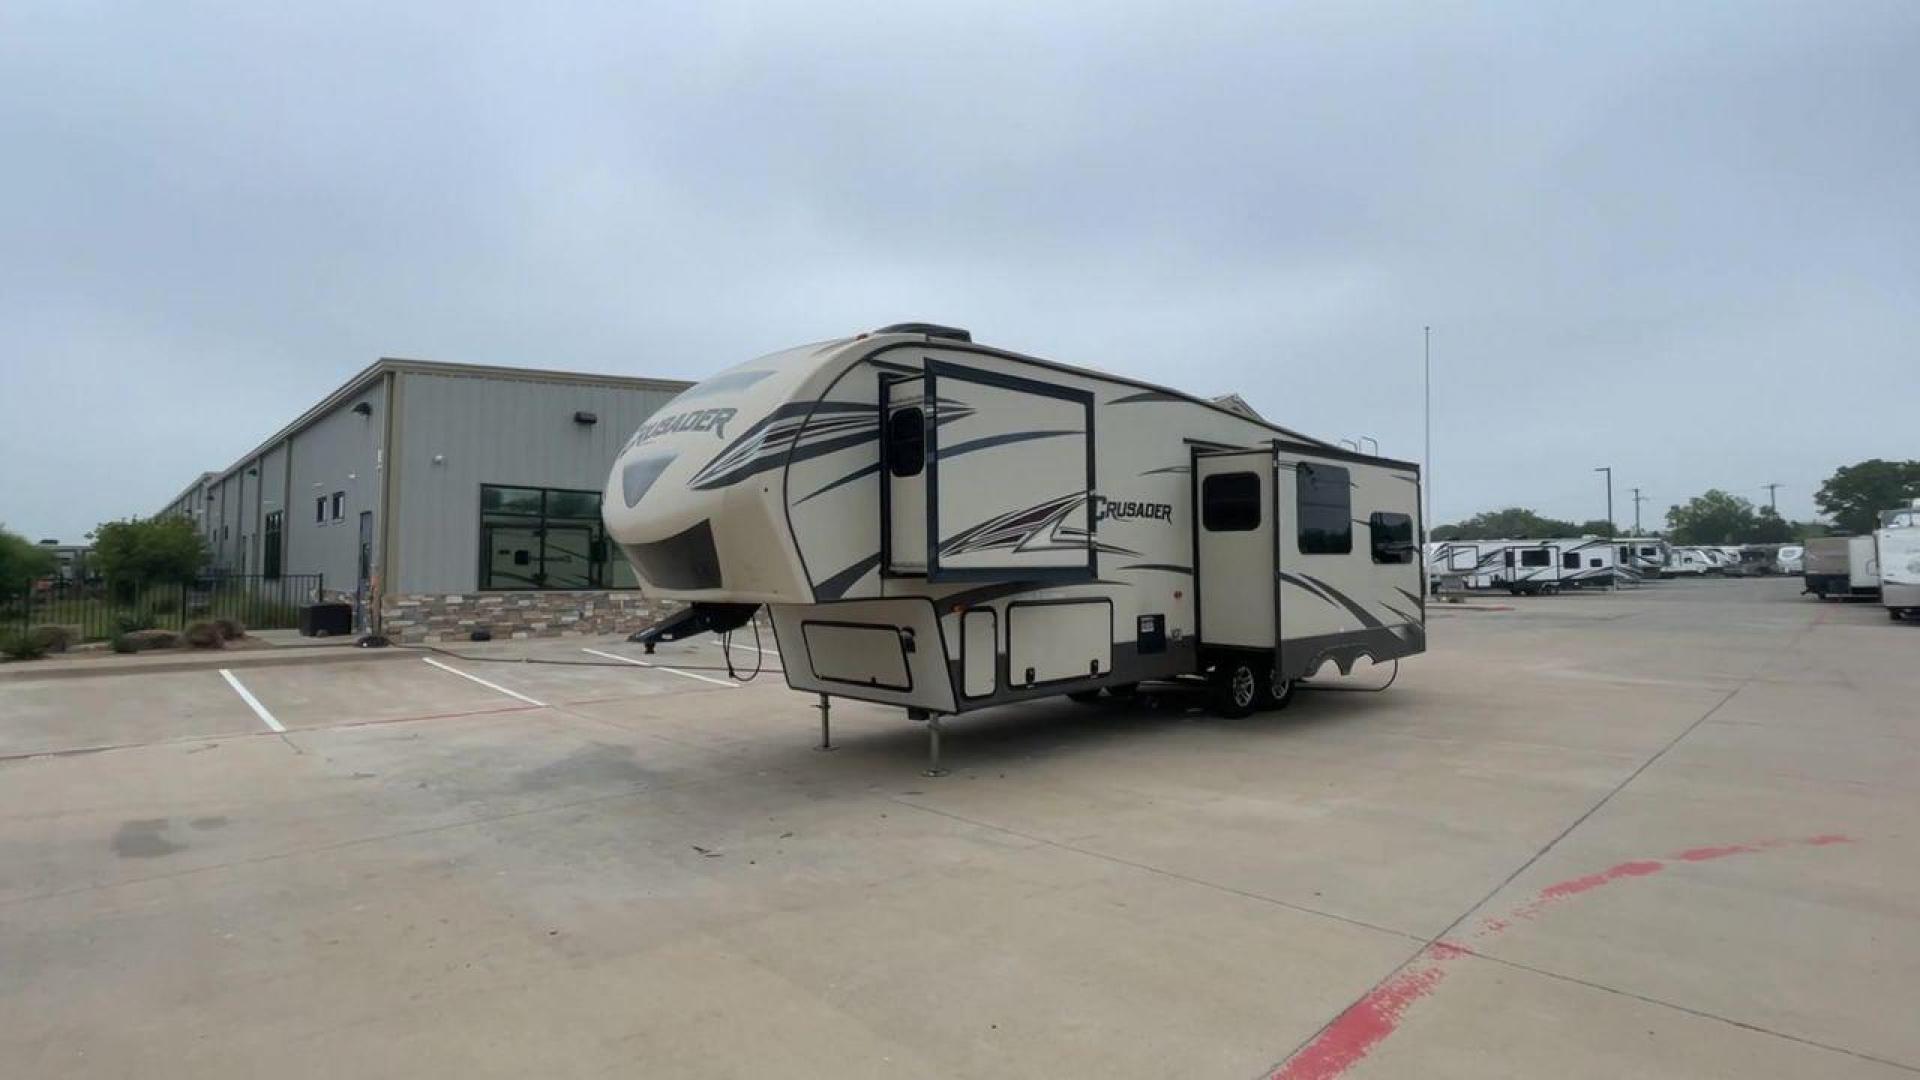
[1011, 465]
[1055, 641]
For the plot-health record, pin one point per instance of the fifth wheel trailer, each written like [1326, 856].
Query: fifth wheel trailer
[1898, 543]
[943, 526]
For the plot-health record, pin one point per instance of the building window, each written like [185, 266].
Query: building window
[1325, 501]
[270, 546]
[1392, 538]
[319, 509]
[339, 505]
[1230, 502]
[547, 538]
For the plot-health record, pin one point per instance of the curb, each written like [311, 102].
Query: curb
[29, 670]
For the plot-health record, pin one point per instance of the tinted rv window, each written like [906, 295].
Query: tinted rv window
[1326, 510]
[906, 442]
[1594, 562]
[1392, 538]
[1570, 561]
[1230, 502]
[1536, 557]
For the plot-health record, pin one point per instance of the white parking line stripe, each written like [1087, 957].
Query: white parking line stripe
[741, 645]
[485, 683]
[658, 667]
[253, 703]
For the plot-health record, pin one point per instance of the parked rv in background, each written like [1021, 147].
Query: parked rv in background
[1790, 559]
[1645, 556]
[1688, 562]
[1841, 566]
[1524, 567]
[1898, 541]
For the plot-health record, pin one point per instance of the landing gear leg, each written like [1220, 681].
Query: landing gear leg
[933, 746]
[826, 724]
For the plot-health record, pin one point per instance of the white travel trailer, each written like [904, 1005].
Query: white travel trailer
[1463, 564]
[945, 527]
[1841, 566]
[1898, 542]
[1687, 562]
[1644, 556]
[1536, 566]
[1790, 559]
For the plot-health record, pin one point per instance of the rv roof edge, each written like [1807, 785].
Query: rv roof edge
[932, 330]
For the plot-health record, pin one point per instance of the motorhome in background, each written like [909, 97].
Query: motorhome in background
[1841, 566]
[945, 527]
[1898, 544]
[1790, 559]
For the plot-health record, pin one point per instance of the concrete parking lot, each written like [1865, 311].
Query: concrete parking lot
[1667, 832]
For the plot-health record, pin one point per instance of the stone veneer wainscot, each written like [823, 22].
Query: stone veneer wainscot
[423, 617]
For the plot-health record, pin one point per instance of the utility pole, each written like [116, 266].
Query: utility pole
[1773, 503]
[1637, 500]
[1426, 461]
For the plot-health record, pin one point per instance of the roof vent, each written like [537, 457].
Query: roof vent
[952, 333]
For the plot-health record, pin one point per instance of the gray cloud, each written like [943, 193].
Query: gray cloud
[1677, 240]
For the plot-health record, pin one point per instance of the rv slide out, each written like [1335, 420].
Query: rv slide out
[945, 527]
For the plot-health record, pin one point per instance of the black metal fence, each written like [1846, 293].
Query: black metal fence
[97, 610]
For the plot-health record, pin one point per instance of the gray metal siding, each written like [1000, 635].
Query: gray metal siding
[490, 430]
[341, 451]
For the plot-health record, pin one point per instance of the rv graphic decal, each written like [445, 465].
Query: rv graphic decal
[1105, 509]
[714, 420]
[1046, 527]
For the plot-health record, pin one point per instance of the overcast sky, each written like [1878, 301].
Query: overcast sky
[1679, 239]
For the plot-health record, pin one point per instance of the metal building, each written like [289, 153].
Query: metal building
[441, 499]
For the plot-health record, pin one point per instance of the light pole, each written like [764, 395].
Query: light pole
[1611, 528]
[1426, 461]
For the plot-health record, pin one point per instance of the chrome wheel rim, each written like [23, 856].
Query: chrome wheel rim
[1243, 688]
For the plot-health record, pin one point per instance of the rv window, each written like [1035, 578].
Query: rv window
[1570, 561]
[1230, 502]
[1649, 552]
[1392, 538]
[1536, 557]
[906, 442]
[1595, 563]
[1326, 509]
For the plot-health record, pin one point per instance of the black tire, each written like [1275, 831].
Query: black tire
[1894, 614]
[1085, 697]
[1239, 688]
[1279, 691]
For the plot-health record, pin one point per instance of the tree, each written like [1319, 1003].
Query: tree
[1513, 523]
[1769, 528]
[146, 551]
[21, 562]
[1855, 494]
[1597, 527]
[1713, 518]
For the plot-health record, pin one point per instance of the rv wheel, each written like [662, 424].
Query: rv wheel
[1279, 691]
[1237, 689]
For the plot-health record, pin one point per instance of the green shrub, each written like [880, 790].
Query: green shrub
[128, 622]
[230, 629]
[123, 643]
[204, 635]
[18, 646]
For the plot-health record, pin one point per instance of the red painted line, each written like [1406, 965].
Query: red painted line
[1367, 1022]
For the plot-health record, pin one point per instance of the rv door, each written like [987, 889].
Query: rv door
[1235, 553]
[1009, 477]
